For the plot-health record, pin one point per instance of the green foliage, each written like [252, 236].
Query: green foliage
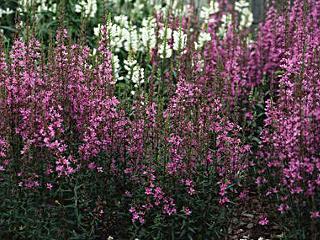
[89, 205]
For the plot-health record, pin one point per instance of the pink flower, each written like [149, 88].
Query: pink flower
[223, 200]
[315, 214]
[49, 186]
[141, 220]
[283, 208]
[244, 195]
[187, 211]
[263, 220]
[92, 165]
[128, 194]
[148, 191]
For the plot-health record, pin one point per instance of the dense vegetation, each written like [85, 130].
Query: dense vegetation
[159, 120]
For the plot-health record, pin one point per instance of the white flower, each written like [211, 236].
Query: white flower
[96, 30]
[78, 8]
[207, 11]
[165, 50]
[135, 72]
[128, 64]
[246, 16]
[122, 21]
[53, 8]
[203, 38]
[131, 39]
[115, 61]
[116, 67]
[147, 33]
[7, 11]
[137, 75]
[116, 34]
[179, 40]
[148, 37]
[226, 20]
[241, 4]
[94, 51]
[90, 7]
[110, 238]
[43, 7]
[165, 33]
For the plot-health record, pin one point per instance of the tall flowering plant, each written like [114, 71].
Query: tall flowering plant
[290, 140]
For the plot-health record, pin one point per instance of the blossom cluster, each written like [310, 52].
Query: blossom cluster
[290, 140]
[63, 112]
